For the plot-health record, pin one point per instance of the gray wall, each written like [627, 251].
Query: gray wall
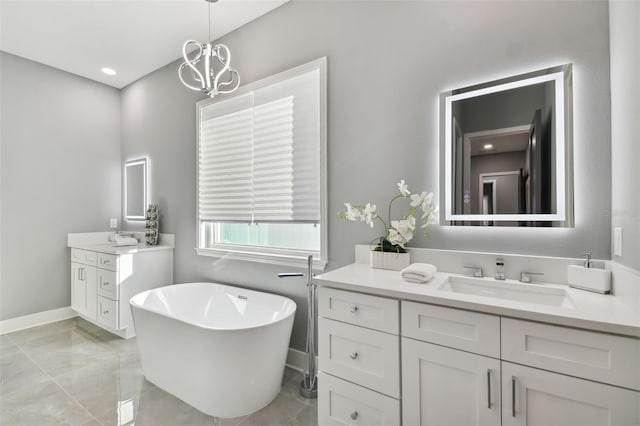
[60, 170]
[388, 63]
[625, 127]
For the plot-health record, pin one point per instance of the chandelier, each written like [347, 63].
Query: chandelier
[208, 66]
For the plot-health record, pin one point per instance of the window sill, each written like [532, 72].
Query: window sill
[268, 258]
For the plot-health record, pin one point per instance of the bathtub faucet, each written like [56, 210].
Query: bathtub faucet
[290, 274]
[309, 273]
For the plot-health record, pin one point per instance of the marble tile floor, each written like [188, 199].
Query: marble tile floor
[73, 373]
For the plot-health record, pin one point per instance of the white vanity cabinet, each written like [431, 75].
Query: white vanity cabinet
[102, 283]
[461, 367]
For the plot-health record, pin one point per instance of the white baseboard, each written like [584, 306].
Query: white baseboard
[27, 321]
[295, 359]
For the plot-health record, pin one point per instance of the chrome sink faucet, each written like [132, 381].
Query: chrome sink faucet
[500, 269]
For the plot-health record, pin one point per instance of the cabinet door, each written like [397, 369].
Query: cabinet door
[84, 290]
[448, 387]
[78, 289]
[91, 279]
[535, 397]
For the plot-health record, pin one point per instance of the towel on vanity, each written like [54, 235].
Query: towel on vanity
[418, 272]
[126, 241]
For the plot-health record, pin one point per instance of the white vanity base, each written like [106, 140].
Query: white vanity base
[104, 278]
[394, 353]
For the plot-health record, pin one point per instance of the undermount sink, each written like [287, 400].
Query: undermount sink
[508, 290]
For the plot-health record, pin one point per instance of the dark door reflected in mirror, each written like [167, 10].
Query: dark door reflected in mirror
[506, 148]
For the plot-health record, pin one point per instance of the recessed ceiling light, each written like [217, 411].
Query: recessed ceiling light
[488, 146]
[108, 71]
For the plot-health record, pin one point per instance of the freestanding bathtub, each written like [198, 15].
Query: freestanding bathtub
[221, 349]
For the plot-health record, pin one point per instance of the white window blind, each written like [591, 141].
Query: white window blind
[259, 154]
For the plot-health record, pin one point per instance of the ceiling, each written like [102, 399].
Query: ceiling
[133, 37]
[511, 142]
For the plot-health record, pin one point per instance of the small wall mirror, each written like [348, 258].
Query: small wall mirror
[135, 189]
[506, 151]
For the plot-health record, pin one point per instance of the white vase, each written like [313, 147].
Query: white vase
[389, 260]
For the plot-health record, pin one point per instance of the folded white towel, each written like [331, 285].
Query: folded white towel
[126, 241]
[418, 272]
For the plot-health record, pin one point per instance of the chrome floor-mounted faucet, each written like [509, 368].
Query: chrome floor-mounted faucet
[309, 384]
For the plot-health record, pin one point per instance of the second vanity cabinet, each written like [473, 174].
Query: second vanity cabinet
[102, 283]
[461, 367]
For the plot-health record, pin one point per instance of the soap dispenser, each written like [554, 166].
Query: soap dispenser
[587, 277]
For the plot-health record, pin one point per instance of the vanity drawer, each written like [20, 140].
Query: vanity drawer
[378, 313]
[455, 328]
[581, 353]
[108, 312]
[85, 257]
[107, 261]
[108, 284]
[343, 403]
[367, 357]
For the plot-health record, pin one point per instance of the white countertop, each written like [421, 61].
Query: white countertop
[100, 242]
[109, 248]
[589, 311]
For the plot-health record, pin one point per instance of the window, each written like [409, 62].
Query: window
[262, 170]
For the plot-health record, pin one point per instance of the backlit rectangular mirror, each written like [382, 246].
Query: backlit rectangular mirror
[506, 148]
[135, 189]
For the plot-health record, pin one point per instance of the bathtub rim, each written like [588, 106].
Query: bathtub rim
[136, 305]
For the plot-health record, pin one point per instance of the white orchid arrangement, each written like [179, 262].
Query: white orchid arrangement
[397, 233]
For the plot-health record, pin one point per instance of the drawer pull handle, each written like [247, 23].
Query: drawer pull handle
[354, 415]
[106, 312]
[513, 396]
[489, 389]
[105, 283]
[353, 355]
[354, 309]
